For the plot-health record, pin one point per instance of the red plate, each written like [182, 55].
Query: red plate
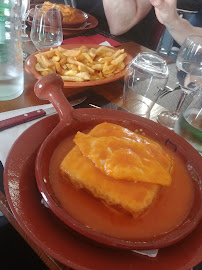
[92, 23]
[51, 235]
[77, 21]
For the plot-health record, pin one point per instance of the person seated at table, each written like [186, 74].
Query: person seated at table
[122, 15]
[178, 27]
[134, 20]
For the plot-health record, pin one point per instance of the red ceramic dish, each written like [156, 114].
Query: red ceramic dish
[91, 22]
[31, 62]
[80, 18]
[50, 235]
[50, 87]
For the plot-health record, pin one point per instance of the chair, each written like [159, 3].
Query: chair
[157, 33]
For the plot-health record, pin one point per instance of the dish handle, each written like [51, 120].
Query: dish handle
[49, 87]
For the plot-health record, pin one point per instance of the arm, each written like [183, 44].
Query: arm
[179, 28]
[122, 15]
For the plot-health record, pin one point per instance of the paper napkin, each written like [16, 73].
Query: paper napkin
[8, 136]
[95, 39]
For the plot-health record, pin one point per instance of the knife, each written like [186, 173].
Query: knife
[26, 117]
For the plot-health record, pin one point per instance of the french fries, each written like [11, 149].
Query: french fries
[81, 64]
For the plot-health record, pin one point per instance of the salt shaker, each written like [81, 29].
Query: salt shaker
[11, 56]
[189, 124]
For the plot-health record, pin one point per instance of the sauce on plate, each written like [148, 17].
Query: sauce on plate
[167, 211]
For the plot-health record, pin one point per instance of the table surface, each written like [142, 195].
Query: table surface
[111, 91]
[28, 97]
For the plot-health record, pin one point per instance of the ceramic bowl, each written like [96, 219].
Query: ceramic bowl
[50, 87]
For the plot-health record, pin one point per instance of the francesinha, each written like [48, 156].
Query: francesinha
[119, 167]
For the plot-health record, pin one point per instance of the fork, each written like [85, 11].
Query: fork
[166, 90]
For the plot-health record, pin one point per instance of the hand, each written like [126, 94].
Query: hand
[166, 10]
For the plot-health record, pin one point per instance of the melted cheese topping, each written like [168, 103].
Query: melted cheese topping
[123, 159]
[109, 129]
[119, 167]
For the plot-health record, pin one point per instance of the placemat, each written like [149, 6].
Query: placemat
[168, 101]
[94, 99]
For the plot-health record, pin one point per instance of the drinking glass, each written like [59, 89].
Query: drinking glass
[189, 75]
[146, 76]
[25, 8]
[189, 124]
[46, 30]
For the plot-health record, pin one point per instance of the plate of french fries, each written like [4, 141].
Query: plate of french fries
[80, 65]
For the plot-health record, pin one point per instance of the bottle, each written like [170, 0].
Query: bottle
[189, 124]
[11, 56]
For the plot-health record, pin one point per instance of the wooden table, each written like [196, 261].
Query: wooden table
[110, 91]
[28, 97]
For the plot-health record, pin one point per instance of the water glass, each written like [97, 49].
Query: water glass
[189, 124]
[46, 30]
[145, 78]
[11, 59]
[189, 75]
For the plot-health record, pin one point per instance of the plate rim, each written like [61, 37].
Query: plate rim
[78, 29]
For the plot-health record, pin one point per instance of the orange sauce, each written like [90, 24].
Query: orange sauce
[168, 210]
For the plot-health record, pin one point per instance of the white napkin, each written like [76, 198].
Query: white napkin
[8, 136]
[152, 253]
[106, 43]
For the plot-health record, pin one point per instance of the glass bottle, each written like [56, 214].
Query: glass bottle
[189, 125]
[11, 57]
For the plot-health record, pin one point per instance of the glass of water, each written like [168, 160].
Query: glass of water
[145, 78]
[189, 124]
[189, 75]
[46, 30]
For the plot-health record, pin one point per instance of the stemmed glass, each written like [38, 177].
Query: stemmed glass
[189, 75]
[25, 8]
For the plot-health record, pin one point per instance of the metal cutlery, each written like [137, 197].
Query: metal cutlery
[162, 92]
[26, 117]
